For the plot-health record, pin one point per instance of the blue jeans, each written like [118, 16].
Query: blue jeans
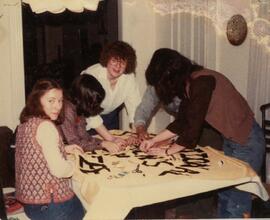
[233, 203]
[110, 120]
[68, 210]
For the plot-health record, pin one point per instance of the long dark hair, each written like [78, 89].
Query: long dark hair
[86, 94]
[168, 72]
[33, 106]
[122, 50]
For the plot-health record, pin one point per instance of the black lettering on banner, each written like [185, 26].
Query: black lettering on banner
[122, 155]
[179, 171]
[95, 155]
[156, 164]
[142, 156]
[95, 168]
[195, 158]
[190, 160]
[100, 159]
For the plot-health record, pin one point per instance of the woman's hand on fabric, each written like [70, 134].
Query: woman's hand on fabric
[164, 144]
[72, 148]
[120, 142]
[146, 145]
[133, 140]
[112, 147]
[142, 133]
[159, 151]
[174, 148]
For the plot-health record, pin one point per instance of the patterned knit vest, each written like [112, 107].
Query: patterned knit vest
[34, 182]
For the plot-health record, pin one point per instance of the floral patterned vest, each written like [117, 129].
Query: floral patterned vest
[34, 182]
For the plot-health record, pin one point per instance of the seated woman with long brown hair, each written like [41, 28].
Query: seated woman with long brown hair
[43, 173]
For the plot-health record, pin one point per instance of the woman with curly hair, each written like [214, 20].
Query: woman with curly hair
[83, 101]
[115, 72]
[206, 97]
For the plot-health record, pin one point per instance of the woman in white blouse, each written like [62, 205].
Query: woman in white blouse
[115, 72]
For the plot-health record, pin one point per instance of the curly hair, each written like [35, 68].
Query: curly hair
[168, 71]
[34, 107]
[120, 50]
[87, 94]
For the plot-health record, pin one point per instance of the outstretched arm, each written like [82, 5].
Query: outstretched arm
[106, 135]
[164, 135]
[146, 107]
[144, 112]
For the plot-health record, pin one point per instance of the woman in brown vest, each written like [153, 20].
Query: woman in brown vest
[207, 97]
[43, 173]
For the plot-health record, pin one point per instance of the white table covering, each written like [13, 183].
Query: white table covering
[111, 185]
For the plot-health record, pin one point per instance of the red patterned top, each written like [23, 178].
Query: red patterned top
[74, 130]
[34, 182]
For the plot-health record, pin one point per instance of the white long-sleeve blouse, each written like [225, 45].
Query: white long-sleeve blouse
[125, 91]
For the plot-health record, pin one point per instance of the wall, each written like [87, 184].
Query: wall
[139, 32]
[11, 62]
[232, 61]
[138, 24]
[147, 30]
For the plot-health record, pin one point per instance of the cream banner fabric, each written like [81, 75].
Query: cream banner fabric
[111, 185]
[58, 6]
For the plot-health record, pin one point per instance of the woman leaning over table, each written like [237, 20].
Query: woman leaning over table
[84, 99]
[42, 170]
[115, 72]
[207, 96]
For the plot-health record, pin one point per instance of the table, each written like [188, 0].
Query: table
[111, 185]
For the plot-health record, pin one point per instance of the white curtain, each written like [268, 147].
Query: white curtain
[190, 27]
[194, 27]
[259, 59]
[259, 66]
[186, 26]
